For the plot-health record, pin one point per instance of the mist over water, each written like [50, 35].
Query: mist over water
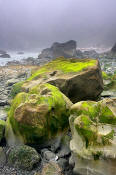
[34, 24]
[17, 57]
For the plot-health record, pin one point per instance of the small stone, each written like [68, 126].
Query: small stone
[63, 164]
[51, 168]
[48, 155]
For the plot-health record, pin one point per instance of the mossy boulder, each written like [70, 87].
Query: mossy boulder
[78, 79]
[38, 116]
[93, 127]
[23, 157]
[2, 128]
[109, 81]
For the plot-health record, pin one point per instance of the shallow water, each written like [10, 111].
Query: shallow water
[15, 56]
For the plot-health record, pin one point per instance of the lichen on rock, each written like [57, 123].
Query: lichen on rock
[23, 157]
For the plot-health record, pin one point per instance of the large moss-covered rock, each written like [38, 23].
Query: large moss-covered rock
[93, 144]
[23, 157]
[78, 79]
[2, 127]
[37, 116]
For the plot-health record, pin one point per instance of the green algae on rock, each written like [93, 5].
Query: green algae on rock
[78, 79]
[39, 115]
[105, 75]
[65, 66]
[23, 157]
[88, 116]
[109, 81]
[93, 127]
[16, 89]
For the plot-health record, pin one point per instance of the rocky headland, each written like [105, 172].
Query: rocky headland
[67, 49]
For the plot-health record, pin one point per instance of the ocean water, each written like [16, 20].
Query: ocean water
[17, 57]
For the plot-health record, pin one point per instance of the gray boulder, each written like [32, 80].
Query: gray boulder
[79, 54]
[5, 55]
[90, 54]
[14, 62]
[111, 54]
[49, 155]
[113, 50]
[30, 61]
[67, 49]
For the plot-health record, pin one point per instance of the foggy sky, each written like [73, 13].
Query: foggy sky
[34, 24]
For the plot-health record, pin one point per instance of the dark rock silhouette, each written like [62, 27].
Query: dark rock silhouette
[113, 50]
[5, 55]
[67, 49]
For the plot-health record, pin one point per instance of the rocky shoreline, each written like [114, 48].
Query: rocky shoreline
[53, 120]
[9, 76]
